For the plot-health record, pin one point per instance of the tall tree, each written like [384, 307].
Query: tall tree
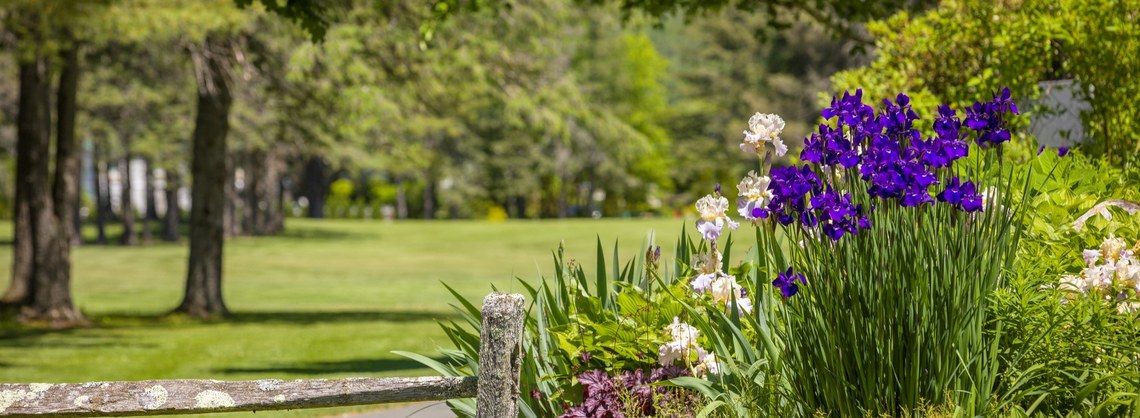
[41, 281]
[203, 297]
[53, 298]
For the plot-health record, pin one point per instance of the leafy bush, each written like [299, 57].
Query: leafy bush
[1069, 354]
[965, 48]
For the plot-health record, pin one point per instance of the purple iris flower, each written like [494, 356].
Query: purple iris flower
[1004, 101]
[947, 126]
[786, 281]
[791, 186]
[813, 148]
[971, 200]
[962, 195]
[987, 119]
[760, 213]
[915, 196]
[1061, 151]
[850, 109]
[863, 222]
[952, 194]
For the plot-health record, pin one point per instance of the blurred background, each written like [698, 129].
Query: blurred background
[335, 161]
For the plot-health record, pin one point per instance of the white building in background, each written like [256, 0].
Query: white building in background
[137, 172]
[1056, 120]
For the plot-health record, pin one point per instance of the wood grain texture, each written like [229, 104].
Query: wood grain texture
[163, 397]
[500, 356]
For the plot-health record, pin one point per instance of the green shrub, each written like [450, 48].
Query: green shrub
[1076, 356]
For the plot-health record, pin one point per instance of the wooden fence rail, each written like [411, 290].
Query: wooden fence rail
[496, 388]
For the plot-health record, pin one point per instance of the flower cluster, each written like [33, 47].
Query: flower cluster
[888, 153]
[836, 214]
[790, 186]
[683, 346]
[882, 148]
[722, 286]
[898, 164]
[710, 278]
[1112, 272]
[987, 119]
[608, 397]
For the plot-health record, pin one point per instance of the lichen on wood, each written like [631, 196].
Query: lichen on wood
[162, 397]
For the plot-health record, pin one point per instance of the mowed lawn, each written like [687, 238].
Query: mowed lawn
[324, 299]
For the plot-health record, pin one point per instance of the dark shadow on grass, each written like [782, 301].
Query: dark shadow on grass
[32, 339]
[132, 320]
[300, 232]
[305, 318]
[99, 333]
[332, 367]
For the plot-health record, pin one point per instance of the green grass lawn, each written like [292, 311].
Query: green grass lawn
[324, 299]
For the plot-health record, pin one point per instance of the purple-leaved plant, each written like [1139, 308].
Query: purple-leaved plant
[604, 396]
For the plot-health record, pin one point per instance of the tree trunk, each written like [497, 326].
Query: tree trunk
[150, 213]
[203, 296]
[429, 198]
[76, 217]
[274, 199]
[53, 294]
[264, 202]
[253, 194]
[316, 186]
[50, 285]
[520, 207]
[563, 199]
[173, 215]
[102, 197]
[29, 129]
[125, 206]
[229, 219]
[401, 199]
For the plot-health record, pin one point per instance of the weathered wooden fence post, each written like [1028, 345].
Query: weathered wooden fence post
[500, 356]
[496, 387]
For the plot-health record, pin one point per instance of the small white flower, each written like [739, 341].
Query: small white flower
[766, 125]
[1112, 247]
[670, 352]
[724, 288]
[683, 345]
[702, 282]
[763, 128]
[754, 193]
[1091, 257]
[707, 365]
[1128, 308]
[1128, 272]
[781, 148]
[1074, 284]
[712, 208]
[744, 304]
[1100, 277]
[682, 333]
[713, 218]
[705, 264]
